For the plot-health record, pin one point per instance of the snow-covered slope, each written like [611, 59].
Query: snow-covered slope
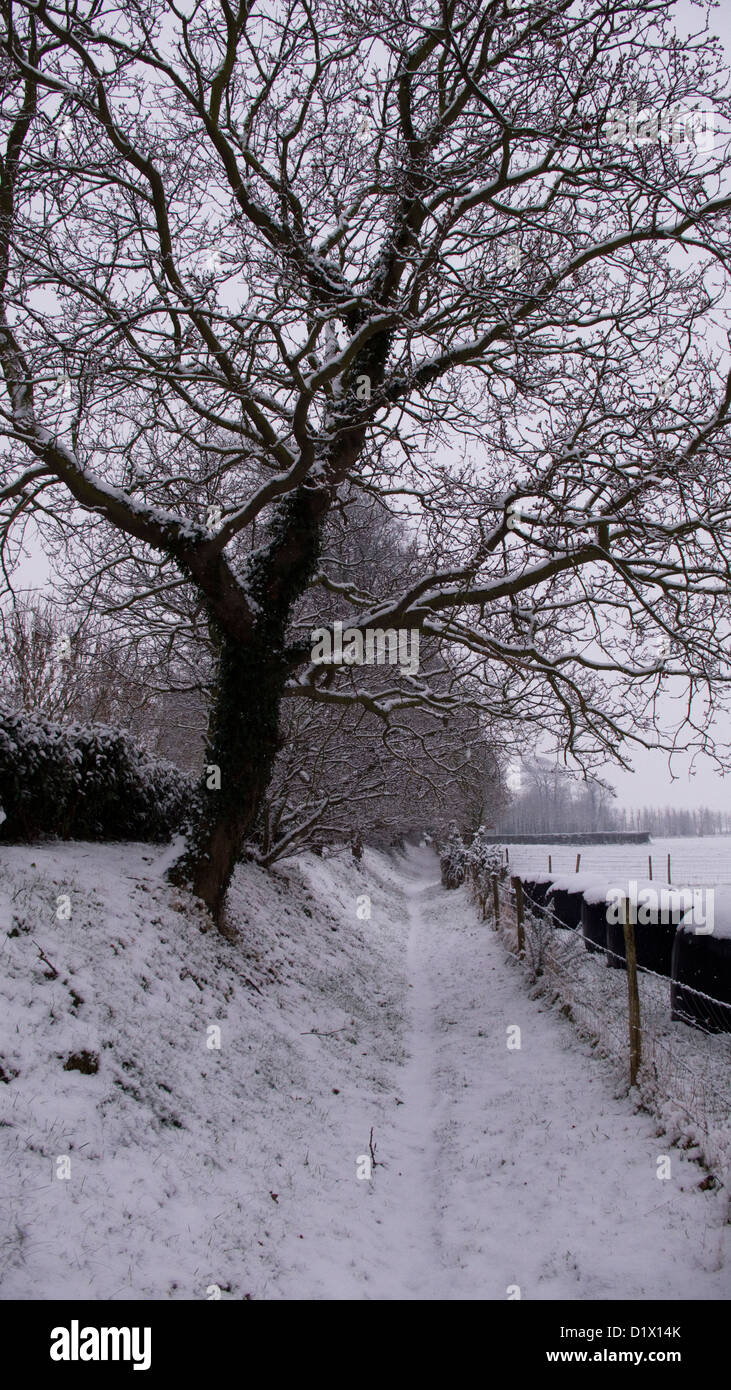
[194, 1166]
[190, 1166]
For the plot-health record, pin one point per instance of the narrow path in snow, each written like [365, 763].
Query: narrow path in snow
[522, 1167]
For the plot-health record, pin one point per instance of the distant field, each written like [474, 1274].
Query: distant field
[699, 860]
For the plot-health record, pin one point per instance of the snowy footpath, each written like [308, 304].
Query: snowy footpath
[520, 1166]
[215, 1139]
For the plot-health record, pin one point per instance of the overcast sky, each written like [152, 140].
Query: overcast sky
[652, 785]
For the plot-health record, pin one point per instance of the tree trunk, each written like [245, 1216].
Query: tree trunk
[243, 730]
[242, 743]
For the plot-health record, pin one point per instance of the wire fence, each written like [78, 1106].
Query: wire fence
[701, 862]
[683, 1072]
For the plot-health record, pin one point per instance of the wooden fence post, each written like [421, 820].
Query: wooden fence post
[649, 866]
[669, 878]
[578, 861]
[496, 899]
[518, 890]
[633, 997]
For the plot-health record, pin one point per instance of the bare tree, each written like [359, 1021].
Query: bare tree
[251, 255]
[69, 667]
[552, 799]
[343, 772]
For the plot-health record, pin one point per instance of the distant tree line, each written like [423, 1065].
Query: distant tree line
[551, 799]
[671, 820]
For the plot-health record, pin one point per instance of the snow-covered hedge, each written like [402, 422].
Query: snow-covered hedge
[485, 857]
[484, 861]
[453, 859]
[479, 861]
[84, 782]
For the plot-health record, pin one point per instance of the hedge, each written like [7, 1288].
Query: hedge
[86, 782]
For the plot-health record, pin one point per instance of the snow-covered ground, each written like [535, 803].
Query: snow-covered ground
[703, 860]
[194, 1166]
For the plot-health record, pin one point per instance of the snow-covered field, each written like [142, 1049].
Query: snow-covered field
[703, 860]
[195, 1168]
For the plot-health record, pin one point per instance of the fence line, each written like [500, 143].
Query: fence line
[684, 1074]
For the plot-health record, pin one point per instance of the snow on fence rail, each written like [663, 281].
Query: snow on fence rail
[684, 1073]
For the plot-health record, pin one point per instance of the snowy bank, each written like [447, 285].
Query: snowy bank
[191, 1165]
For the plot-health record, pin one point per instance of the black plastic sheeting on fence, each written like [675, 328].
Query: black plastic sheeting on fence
[567, 907]
[653, 944]
[594, 925]
[535, 890]
[697, 963]
[701, 962]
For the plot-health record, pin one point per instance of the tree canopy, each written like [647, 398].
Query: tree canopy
[255, 256]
